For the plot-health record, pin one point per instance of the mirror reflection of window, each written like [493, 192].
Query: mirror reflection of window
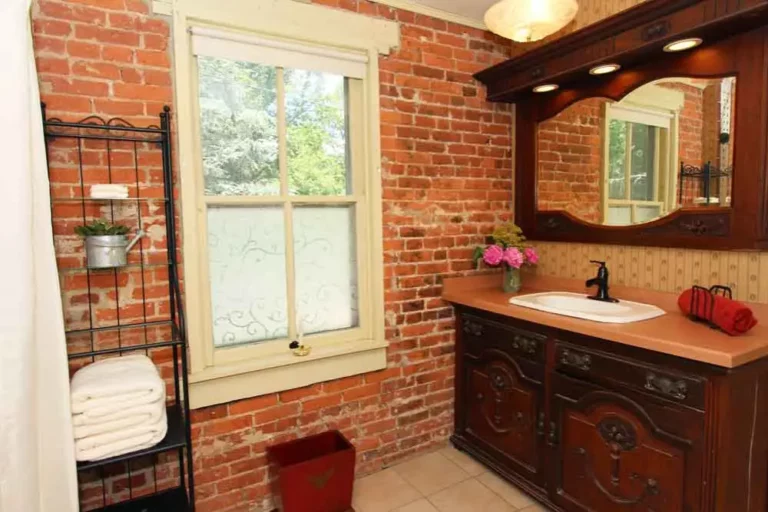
[622, 163]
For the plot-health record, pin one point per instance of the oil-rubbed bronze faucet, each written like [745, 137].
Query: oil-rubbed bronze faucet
[602, 283]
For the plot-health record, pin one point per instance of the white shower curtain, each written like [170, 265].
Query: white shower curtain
[37, 463]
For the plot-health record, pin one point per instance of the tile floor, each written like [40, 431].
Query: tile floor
[443, 481]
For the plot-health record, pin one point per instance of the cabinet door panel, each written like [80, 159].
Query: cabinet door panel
[613, 456]
[505, 410]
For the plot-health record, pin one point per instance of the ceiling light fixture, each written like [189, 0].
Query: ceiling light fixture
[604, 69]
[546, 88]
[525, 21]
[683, 44]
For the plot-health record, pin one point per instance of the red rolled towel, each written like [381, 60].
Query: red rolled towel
[729, 315]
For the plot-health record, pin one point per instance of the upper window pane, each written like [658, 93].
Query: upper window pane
[617, 159]
[238, 110]
[316, 133]
[643, 156]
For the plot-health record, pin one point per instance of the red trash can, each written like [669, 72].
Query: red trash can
[316, 473]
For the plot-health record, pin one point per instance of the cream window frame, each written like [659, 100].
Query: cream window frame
[655, 106]
[223, 375]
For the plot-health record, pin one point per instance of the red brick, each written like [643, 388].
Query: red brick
[275, 413]
[223, 426]
[117, 54]
[252, 404]
[300, 393]
[152, 58]
[321, 402]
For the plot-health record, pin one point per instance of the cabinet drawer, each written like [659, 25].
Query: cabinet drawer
[598, 366]
[482, 333]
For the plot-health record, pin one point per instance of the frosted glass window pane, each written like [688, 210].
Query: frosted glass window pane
[246, 247]
[316, 119]
[647, 213]
[619, 216]
[238, 111]
[326, 268]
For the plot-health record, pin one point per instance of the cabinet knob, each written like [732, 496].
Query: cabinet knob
[519, 417]
[480, 396]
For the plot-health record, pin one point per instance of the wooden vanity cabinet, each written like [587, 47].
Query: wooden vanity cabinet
[589, 425]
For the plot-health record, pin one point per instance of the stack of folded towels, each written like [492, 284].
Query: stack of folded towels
[118, 406]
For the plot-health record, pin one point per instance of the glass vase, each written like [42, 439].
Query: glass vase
[513, 280]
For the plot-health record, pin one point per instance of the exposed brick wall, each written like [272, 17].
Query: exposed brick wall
[691, 136]
[447, 180]
[570, 160]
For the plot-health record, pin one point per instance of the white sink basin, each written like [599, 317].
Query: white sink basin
[579, 306]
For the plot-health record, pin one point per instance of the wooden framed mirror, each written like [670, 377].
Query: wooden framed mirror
[669, 150]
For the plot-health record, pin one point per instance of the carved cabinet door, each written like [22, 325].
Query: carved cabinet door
[505, 411]
[610, 455]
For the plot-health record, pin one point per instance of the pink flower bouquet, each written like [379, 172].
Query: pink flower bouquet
[510, 251]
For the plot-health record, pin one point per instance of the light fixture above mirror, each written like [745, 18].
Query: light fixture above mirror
[683, 44]
[525, 21]
[604, 69]
[546, 88]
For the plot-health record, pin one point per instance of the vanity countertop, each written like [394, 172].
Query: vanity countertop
[672, 333]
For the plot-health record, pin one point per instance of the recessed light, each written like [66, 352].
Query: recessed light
[604, 69]
[546, 88]
[683, 44]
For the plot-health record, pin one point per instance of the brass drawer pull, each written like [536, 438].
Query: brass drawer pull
[473, 328]
[581, 362]
[524, 344]
[675, 388]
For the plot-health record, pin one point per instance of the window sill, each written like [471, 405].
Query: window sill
[224, 384]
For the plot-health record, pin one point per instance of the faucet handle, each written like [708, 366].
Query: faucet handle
[601, 263]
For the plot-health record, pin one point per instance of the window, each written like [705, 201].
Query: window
[282, 210]
[640, 157]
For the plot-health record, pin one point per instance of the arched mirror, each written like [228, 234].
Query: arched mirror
[664, 146]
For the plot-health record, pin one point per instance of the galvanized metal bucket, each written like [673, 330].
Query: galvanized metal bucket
[109, 251]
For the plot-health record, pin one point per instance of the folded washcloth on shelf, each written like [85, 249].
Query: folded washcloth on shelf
[119, 442]
[109, 191]
[112, 385]
[85, 426]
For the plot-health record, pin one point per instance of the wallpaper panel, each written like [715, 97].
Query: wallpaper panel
[660, 268]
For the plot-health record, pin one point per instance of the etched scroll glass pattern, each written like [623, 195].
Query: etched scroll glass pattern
[326, 268]
[247, 271]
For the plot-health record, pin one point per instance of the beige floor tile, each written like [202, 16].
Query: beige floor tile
[382, 492]
[431, 473]
[469, 495]
[535, 508]
[464, 461]
[423, 505]
[510, 493]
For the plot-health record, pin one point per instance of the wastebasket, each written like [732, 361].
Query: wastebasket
[315, 474]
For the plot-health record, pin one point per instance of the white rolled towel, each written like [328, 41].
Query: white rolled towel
[119, 420]
[119, 442]
[111, 385]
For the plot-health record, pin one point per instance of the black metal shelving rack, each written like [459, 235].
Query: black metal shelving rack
[704, 175]
[167, 334]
